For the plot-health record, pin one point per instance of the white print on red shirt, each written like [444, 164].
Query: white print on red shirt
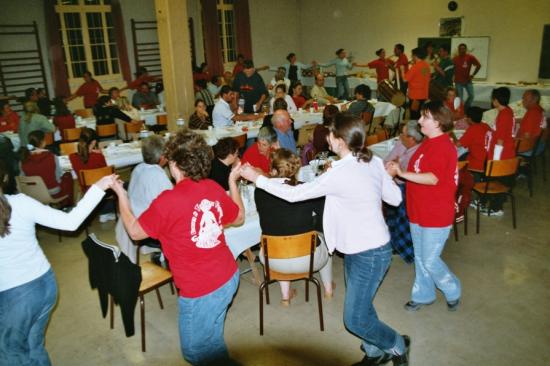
[209, 228]
[417, 164]
[543, 123]
[456, 176]
[488, 138]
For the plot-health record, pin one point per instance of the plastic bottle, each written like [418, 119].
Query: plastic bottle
[180, 122]
[241, 106]
[315, 105]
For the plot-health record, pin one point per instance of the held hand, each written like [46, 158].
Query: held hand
[118, 187]
[235, 172]
[249, 173]
[106, 182]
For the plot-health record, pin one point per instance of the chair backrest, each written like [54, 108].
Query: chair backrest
[34, 187]
[524, 145]
[305, 134]
[67, 148]
[106, 130]
[292, 246]
[103, 144]
[84, 113]
[382, 135]
[502, 168]
[162, 119]
[544, 134]
[90, 176]
[71, 134]
[133, 127]
[241, 140]
[48, 138]
[367, 117]
[371, 140]
[462, 164]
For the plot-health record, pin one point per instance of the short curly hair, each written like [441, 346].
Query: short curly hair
[191, 154]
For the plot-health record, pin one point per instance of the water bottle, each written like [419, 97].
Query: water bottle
[315, 105]
[180, 122]
[241, 106]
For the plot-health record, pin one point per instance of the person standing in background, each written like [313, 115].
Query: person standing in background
[400, 67]
[463, 79]
[342, 65]
[444, 70]
[418, 78]
[250, 86]
[381, 65]
[89, 91]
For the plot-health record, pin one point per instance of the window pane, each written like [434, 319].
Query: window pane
[100, 68]
[91, 2]
[114, 66]
[109, 19]
[68, 2]
[113, 50]
[107, 2]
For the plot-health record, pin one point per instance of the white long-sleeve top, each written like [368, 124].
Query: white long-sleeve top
[21, 258]
[352, 220]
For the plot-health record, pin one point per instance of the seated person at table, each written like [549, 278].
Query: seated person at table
[476, 139]
[32, 120]
[145, 98]
[533, 121]
[250, 86]
[283, 127]
[457, 112]
[409, 140]
[114, 94]
[204, 94]
[200, 119]
[279, 78]
[189, 220]
[215, 85]
[280, 92]
[361, 108]
[321, 132]
[89, 156]
[63, 117]
[226, 155]
[37, 161]
[296, 91]
[9, 119]
[147, 181]
[128, 109]
[319, 92]
[258, 154]
[43, 103]
[281, 218]
[105, 113]
[223, 115]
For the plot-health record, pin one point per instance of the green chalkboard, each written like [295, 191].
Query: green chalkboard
[544, 66]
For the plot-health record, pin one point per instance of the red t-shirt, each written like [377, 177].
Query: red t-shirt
[142, 79]
[253, 156]
[457, 113]
[427, 205]
[402, 61]
[300, 100]
[43, 165]
[532, 122]
[95, 160]
[477, 139]
[9, 122]
[382, 70]
[89, 91]
[504, 128]
[418, 77]
[64, 122]
[237, 69]
[188, 220]
[463, 65]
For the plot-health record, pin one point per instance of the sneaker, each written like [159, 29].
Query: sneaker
[107, 217]
[491, 213]
[474, 204]
[453, 305]
[414, 306]
[403, 359]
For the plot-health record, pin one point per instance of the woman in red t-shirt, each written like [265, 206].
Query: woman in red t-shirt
[89, 91]
[63, 118]
[431, 187]
[258, 154]
[37, 161]
[9, 120]
[188, 220]
[503, 139]
[296, 92]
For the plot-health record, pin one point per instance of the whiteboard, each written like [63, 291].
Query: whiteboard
[477, 46]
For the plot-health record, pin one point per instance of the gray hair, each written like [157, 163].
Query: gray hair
[151, 149]
[413, 130]
[268, 134]
[277, 117]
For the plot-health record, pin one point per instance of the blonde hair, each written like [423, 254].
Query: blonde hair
[286, 165]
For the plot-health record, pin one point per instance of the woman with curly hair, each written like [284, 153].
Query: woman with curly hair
[188, 222]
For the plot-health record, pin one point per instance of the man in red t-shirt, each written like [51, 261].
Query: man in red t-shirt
[400, 67]
[463, 79]
[418, 77]
[534, 120]
[381, 65]
[188, 220]
[142, 76]
[258, 154]
[89, 91]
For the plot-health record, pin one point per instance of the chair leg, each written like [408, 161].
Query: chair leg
[513, 210]
[112, 310]
[455, 229]
[319, 304]
[307, 290]
[172, 287]
[142, 316]
[477, 216]
[260, 290]
[160, 298]
[266, 293]
[530, 180]
[544, 166]
[59, 235]
[466, 221]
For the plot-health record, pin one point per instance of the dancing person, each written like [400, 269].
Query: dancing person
[463, 77]
[342, 65]
[89, 91]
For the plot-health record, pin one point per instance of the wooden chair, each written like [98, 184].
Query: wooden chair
[34, 186]
[462, 166]
[367, 118]
[371, 140]
[241, 140]
[104, 144]
[132, 129]
[382, 135]
[68, 148]
[286, 247]
[530, 157]
[84, 113]
[162, 121]
[89, 176]
[71, 134]
[48, 138]
[106, 131]
[525, 150]
[497, 169]
[152, 278]
[305, 134]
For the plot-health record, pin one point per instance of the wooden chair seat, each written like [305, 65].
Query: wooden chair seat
[108, 130]
[493, 188]
[153, 276]
[84, 113]
[71, 134]
[371, 140]
[68, 148]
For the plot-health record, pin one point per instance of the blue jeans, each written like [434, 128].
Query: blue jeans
[342, 87]
[201, 323]
[24, 314]
[430, 269]
[469, 89]
[364, 272]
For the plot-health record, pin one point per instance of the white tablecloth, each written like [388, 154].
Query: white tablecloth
[149, 116]
[14, 138]
[483, 91]
[119, 156]
[490, 115]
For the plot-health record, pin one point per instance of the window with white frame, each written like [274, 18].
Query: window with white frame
[88, 37]
[226, 27]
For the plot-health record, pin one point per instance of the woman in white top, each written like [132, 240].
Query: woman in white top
[355, 187]
[280, 92]
[28, 290]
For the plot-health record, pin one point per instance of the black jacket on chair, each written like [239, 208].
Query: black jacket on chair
[112, 273]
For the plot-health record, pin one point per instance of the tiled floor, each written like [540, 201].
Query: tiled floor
[504, 318]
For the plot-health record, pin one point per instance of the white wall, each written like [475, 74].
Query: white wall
[363, 26]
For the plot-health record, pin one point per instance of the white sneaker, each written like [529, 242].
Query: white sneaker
[498, 213]
[107, 217]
